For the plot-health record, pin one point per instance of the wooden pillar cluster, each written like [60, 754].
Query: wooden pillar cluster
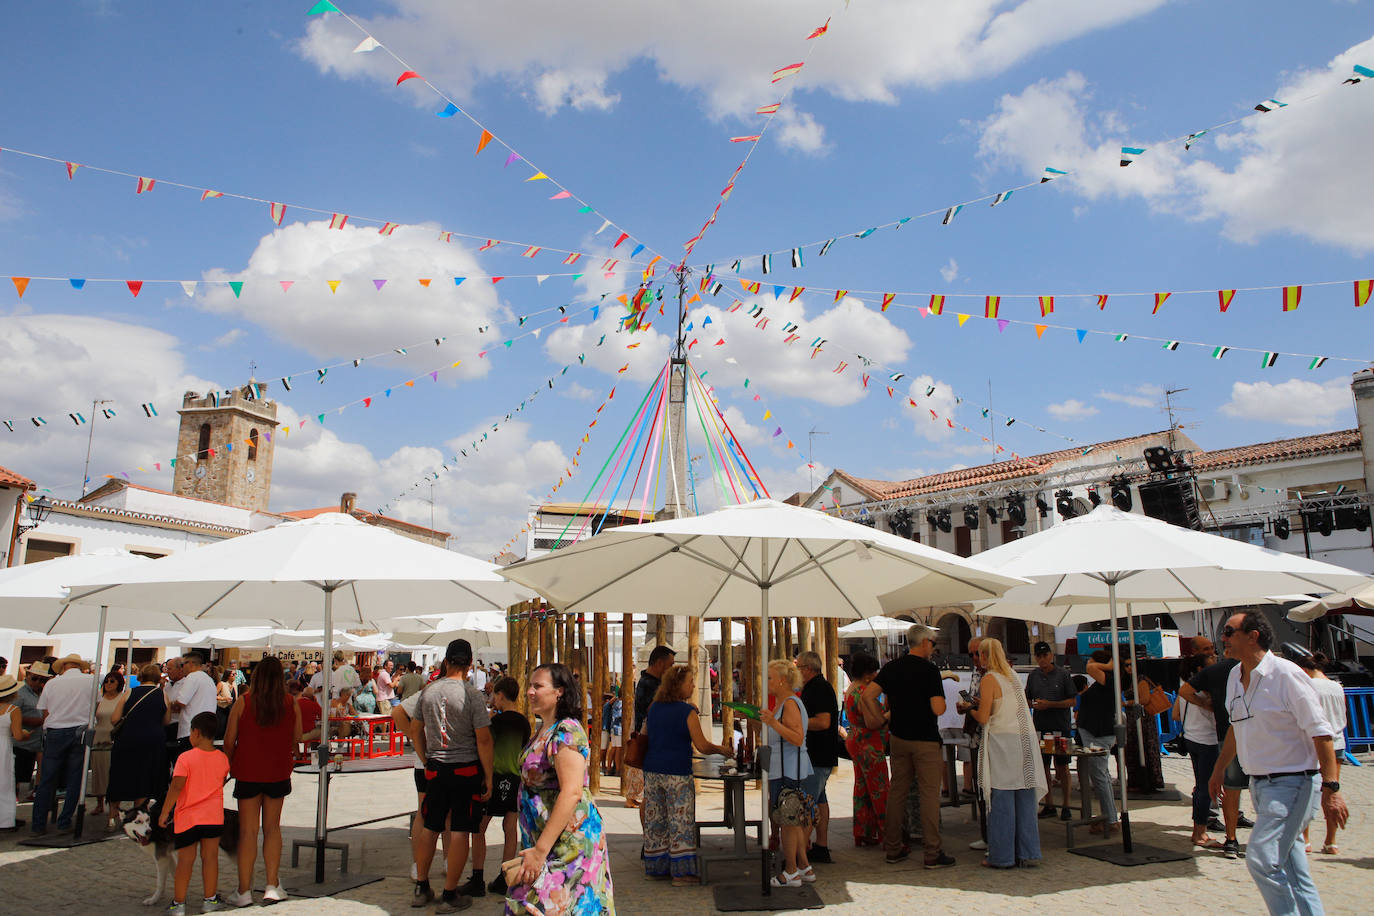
[517, 634]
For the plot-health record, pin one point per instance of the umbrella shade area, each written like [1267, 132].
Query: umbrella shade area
[31, 596]
[279, 574]
[1353, 601]
[880, 626]
[715, 565]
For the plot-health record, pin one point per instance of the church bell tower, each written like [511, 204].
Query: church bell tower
[224, 447]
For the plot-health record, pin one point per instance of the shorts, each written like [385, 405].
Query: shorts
[1059, 759]
[254, 789]
[822, 775]
[1234, 777]
[420, 785]
[505, 795]
[453, 794]
[193, 835]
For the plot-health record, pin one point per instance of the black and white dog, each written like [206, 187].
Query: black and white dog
[140, 824]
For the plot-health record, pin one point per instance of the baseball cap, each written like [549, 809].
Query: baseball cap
[1043, 648]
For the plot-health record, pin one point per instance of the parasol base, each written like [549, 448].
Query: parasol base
[1140, 854]
[733, 898]
[302, 884]
[65, 840]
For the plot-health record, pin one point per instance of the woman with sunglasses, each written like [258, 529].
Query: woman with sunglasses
[111, 689]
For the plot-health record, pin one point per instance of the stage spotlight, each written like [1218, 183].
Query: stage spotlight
[943, 521]
[1016, 509]
[1281, 529]
[1042, 506]
[992, 514]
[1093, 497]
[971, 516]
[932, 519]
[1121, 493]
[1320, 521]
[1063, 504]
[1159, 459]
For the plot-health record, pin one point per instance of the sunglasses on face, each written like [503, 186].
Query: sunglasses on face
[1228, 631]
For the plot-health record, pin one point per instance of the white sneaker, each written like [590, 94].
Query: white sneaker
[239, 899]
[978, 844]
[275, 893]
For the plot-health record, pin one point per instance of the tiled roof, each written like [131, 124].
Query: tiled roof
[1022, 466]
[371, 518]
[9, 478]
[1345, 440]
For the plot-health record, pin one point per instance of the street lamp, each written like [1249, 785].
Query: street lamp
[37, 511]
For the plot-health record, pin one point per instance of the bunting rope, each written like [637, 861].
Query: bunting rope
[1129, 154]
[770, 111]
[451, 108]
[277, 213]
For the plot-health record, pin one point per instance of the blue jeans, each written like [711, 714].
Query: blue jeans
[1275, 855]
[1098, 773]
[62, 750]
[1013, 828]
[1204, 759]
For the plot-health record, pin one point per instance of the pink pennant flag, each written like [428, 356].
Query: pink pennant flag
[561, 195]
[277, 211]
[145, 184]
[285, 284]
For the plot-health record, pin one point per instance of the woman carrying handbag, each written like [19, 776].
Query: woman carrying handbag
[792, 784]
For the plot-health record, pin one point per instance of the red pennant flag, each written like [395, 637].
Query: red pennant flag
[408, 75]
[145, 184]
[135, 287]
[623, 237]
[367, 402]
[496, 280]
[1224, 296]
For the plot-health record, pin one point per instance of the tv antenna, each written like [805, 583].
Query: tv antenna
[810, 455]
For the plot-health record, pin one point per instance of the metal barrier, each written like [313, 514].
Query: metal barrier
[1359, 721]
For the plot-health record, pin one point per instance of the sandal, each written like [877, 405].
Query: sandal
[1209, 843]
[786, 879]
[1331, 849]
[807, 874]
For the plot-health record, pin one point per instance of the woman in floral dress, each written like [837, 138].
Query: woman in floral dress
[565, 868]
[866, 748]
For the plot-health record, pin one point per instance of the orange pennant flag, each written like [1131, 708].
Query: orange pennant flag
[1040, 330]
[20, 284]
[483, 141]
[425, 281]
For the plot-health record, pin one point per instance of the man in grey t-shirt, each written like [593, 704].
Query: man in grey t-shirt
[1050, 692]
[457, 748]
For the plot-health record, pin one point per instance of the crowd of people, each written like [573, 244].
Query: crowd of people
[173, 735]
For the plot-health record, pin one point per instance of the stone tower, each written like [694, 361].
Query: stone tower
[224, 447]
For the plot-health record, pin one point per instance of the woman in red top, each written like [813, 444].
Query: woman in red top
[264, 729]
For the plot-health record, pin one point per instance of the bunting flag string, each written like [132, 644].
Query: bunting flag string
[1129, 154]
[371, 44]
[277, 210]
[769, 112]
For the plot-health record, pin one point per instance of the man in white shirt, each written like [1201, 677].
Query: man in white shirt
[193, 694]
[1283, 740]
[66, 707]
[479, 676]
[342, 676]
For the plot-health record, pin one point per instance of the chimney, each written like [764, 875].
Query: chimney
[1362, 386]
[347, 502]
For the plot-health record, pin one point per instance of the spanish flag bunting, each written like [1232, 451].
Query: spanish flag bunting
[338, 221]
[1362, 289]
[990, 306]
[1046, 305]
[445, 236]
[840, 294]
[746, 139]
[530, 251]
[387, 229]
[333, 285]
[277, 212]
[135, 287]
[1159, 300]
[819, 30]
[1224, 297]
[889, 390]
[207, 194]
[491, 243]
[1292, 295]
[408, 75]
[145, 184]
[768, 109]
[1040, 330]
[937, 305]
[784, 72]
[71, 170]
[20, 284]
[1102, 301]
[887, 300]
[962, 319]
[798, 290]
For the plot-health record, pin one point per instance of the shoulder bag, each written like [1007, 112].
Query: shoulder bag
[1152, 697]
[117, 727]
[637, 746]
[795, 807]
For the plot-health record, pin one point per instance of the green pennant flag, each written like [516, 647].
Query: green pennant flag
[584, 210]
[324, 6]
[320, 417]
[236, 286]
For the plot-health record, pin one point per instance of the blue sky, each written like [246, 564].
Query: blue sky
[903, 108]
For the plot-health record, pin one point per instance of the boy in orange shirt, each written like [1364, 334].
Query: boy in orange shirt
[197, 792]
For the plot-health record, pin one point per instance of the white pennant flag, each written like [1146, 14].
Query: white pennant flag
[540, 278]
[189, 287]
[603, 227]
[367, 44]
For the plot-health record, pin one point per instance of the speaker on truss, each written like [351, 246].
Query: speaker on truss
[1171, 501]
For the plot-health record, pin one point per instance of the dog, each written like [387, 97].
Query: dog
[140, 825]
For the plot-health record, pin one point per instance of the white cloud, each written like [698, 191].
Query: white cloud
[950, 272]
[1295, 402]
[227, 339]
[359, 319]
[1141, 396]
[576, 392]
[800, 131]
[1072, 409]
[560, 56]
[935, 428]
[1292, 171]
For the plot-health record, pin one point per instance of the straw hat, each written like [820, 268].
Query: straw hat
[8, 686]
[70, 661]
[40, 669]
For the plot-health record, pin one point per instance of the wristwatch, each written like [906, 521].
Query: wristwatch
[1333, 786]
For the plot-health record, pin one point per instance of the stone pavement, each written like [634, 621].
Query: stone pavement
[111, 877]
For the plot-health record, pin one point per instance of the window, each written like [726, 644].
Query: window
[203, 449]
[36, 550]
[252, 445]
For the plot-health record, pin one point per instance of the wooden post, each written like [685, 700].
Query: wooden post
[804, 634]
[601, 648]
[660, 629]
[727, 680]
[627, 686]
[516, 629]
[579, 624]
[547, 627]
[832, 651]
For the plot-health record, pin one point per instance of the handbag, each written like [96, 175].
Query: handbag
[1152, 697]
[117, 727]
[636, 749]
[795, 806]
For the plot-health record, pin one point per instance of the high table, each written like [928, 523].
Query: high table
[734, 817]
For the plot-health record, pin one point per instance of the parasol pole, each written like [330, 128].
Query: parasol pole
[765, 829]
[322, 796]
[1120, 730]
[88, 737]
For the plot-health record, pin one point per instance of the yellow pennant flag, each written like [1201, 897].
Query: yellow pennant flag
[333, 285]
[1040, 330]
[767, 414]
[537, 176]
[962, 319]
